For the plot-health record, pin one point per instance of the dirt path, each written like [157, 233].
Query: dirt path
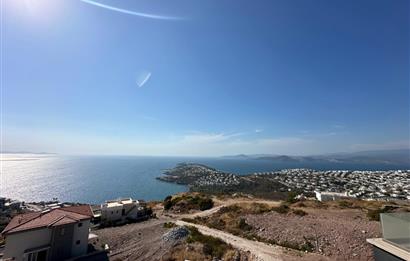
[226, 203]
[259, 250]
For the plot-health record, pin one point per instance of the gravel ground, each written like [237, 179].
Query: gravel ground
[137, 241]
[338, 234]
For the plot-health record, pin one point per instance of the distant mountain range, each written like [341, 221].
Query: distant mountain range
[390, 157]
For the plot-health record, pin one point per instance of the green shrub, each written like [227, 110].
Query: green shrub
[167, 204]
[169, 225]
[307, 247]
[205, 203]
[291, 197]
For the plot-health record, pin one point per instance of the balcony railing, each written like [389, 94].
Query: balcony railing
[396, 229]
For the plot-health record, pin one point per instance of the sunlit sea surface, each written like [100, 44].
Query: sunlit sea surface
[94, 179]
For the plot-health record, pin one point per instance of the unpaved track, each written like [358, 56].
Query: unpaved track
[259, 251]
[226, 203]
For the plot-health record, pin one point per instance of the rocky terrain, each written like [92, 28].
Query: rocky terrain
[338, 234]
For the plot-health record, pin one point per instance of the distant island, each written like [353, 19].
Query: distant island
[384, 157]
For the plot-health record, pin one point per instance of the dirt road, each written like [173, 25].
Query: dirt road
[225, 203]
[259, 250]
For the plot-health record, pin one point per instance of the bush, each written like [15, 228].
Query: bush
[345, 204]
[211, 246]
[167, 204]
[169, 225]
[229, 209]
[307, 247]
[149, 212]
[291, 197]
[299, 212]
[374, 214]
[205, 203]
[243, 225]
[217, 223]
[187, 202]
[189, 220]
[282, 209]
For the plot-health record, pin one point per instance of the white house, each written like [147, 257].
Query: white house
[329, 196]
[122, 210]
[56, 234]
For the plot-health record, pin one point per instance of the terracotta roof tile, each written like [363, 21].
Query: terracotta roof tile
[54, 217]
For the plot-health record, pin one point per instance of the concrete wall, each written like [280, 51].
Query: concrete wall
[80, 233]
[17, 243]
[111, 214]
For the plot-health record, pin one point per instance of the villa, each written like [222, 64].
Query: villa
[120, 211]
[55, 234]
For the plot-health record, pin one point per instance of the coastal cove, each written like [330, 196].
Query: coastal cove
[94, 179]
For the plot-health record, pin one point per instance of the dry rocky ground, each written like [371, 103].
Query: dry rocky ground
[137, 241]
[339, 234]
[335, 230]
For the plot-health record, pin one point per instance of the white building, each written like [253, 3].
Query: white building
[122, 210]
[56, 234]
[329, 196]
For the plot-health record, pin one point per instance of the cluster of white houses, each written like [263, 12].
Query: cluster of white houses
[62, 233]
[393, 184]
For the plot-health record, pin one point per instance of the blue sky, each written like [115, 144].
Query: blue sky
[205, 78]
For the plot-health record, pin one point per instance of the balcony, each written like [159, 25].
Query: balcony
[396, 229]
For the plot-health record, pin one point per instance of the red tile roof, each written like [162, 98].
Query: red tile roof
[54, 217]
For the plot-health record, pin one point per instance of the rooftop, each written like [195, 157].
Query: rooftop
[50, 218]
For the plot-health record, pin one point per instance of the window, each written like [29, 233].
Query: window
[62, 232]
[37, 256]
[77, 242]
[123, 212]
[80, 224]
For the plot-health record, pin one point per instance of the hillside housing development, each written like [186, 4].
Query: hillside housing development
[394, 184]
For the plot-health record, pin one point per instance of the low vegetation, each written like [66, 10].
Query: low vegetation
[169, 225]
[185, 202]
[299, 212]
[212, 246]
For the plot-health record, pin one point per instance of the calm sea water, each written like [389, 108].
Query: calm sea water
[94, 179]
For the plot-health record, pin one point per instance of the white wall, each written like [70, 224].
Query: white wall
[17, 243]
[80, 233]
[111, 213]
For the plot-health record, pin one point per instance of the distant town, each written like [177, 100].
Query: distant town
[394, 184]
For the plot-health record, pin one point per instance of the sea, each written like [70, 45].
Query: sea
[95, 179]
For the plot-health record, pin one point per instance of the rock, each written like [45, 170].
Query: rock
[176, 234]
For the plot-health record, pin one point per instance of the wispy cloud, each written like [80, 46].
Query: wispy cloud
[258, 130]
[129, 12]
[338, 126]
[402, 144]
[208, 137]
[143, 78]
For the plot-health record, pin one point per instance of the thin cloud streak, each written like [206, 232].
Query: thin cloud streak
[125, 11]
[144, 80]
